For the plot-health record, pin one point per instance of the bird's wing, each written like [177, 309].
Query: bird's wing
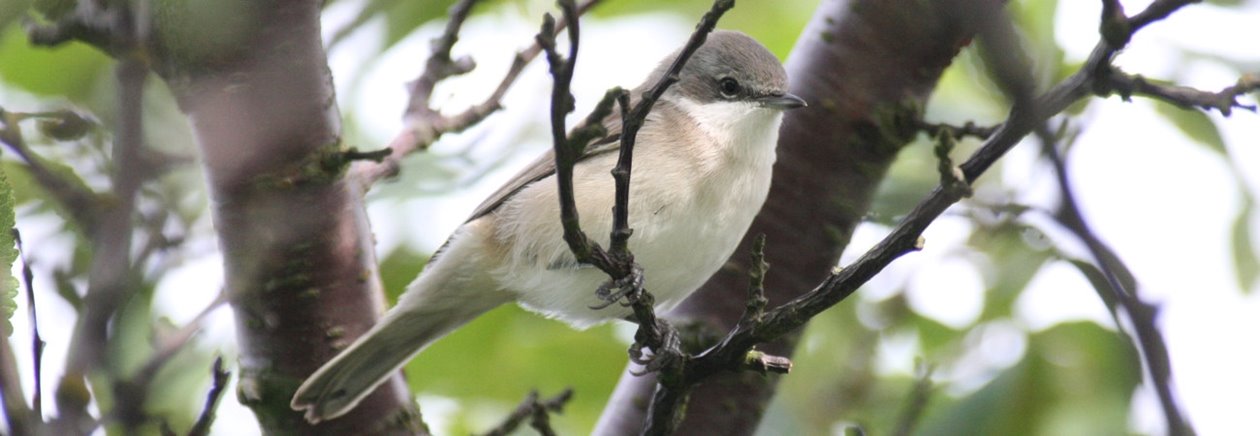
[542, 167]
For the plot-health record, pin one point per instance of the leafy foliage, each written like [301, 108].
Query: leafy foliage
[8, 254]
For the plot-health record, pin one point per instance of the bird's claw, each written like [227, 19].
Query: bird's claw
[613, 291]
[665, 355]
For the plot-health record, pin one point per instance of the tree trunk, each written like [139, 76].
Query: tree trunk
[866, 68]
[297, 248]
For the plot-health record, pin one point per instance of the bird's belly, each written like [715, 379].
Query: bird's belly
[679, 247]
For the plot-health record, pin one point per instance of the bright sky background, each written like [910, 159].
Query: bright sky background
[1163, 202]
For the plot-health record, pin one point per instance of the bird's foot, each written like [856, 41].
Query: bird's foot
[657, 348]
[629, 287]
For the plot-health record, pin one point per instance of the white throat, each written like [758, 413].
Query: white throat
[743, 130]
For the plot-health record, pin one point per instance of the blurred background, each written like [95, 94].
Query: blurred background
[1017, 340]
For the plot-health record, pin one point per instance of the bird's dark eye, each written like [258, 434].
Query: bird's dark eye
[729, 87]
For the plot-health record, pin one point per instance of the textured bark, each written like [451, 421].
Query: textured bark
[864, 66]
[295, 239]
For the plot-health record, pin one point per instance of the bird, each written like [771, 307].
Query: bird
[702, 169]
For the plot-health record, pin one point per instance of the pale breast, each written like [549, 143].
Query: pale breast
[689, 210]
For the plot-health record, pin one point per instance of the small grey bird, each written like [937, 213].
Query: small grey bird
[701, 173]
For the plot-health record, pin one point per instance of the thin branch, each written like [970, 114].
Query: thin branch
[1157, 11]
[950, 175]
[440, 65]
[424, 125]
[968, 129]
[173, 343]
[81, 203]
[110, 275]
[37, 343]
[1128, 85]
[111, 261]
[132, 394]
[1142, 314]
[20, 417]
[218, 385]
[536, 411]
[916, 402]
[632, 122]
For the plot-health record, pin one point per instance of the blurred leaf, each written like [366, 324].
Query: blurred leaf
[1035, 21]
[11, 12]
[177, 391]
[1246, 265]
[1014, 263]
[54, 10]
[1195, 124]
[403, 17]
[694, 7]
[1098, 282]
[502, 355]
[934, 337]
[1076, 379]
[398, 269]
[65, 125]
[130, 345]
[8, 254]
[77, 67]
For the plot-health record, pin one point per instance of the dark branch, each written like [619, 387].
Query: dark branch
[23, 419]
[1142, 314]
[951, 176]
[968, 129]
[37, 343]
[538, 412]
[1128, 85]
[1157, 11]
[916, 402]
[218, 385]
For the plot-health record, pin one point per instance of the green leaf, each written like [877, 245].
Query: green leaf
[935, 339]
[1016, 255]
[1246, 265]
[77, 67]
[399, 268]
[1195, 124]
[1098, 280]
[1077, 378]
[496, 359]
[12, 11]
[403, 17]
[8, 254]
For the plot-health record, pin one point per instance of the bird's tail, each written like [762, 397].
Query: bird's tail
[429, 309]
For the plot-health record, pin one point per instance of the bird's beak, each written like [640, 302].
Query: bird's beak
[783, 102]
